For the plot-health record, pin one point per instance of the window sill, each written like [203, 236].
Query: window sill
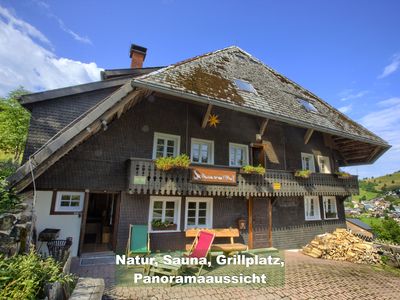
[310, 220]
[337, 218]
[164, 231]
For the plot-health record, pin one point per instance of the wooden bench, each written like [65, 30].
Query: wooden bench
[227, 248]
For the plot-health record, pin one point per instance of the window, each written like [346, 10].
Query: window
[307, 161]
[245, 86]
[69, 202]
[238, 155]
[307, 105]
[324, 164]
[198, 212]
[165, 145]
[311, 208]
[202, 151]
[164, 209]
[330, 209]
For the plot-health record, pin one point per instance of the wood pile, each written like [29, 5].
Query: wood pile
[344, 246]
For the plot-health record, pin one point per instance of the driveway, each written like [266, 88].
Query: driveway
[305, 278]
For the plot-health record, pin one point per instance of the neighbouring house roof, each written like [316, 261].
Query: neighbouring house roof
[359, 223]
[210, 78]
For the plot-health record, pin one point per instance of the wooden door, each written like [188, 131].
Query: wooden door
[260, 223]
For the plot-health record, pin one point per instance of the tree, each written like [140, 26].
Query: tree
[14, 123]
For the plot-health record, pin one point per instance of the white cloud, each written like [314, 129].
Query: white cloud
[385, 123]
[346, 109]
[390, 101]
[61, 23]
[350, 94]
[392, 67]
[25, 62]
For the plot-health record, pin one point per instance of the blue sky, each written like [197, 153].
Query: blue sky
[347, 52]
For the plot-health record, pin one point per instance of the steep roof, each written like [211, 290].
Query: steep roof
[211, 76]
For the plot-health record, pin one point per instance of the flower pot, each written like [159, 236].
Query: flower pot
[162, 228]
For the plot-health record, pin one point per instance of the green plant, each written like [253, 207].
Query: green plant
[343, 175]
[25, 276]
[167, 163]
[161, 224]
[8, 198]
[254, 170]
[302, 173]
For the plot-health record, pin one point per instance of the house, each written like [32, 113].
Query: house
[91, 149]
[359, 227]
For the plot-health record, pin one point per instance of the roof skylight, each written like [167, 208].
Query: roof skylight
[245, 86]
[308, 106]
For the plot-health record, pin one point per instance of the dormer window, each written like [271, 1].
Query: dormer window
[308, 106]
[245, 86]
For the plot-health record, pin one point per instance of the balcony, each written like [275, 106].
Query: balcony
[145, 178]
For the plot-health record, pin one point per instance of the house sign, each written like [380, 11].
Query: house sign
[213, 176]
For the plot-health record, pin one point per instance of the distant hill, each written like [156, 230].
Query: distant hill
[376, 186]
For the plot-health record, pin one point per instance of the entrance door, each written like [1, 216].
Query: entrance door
[100, 223]
[260, 223]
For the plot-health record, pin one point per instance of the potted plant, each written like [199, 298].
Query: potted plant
[168, 163]
[343, 175]
[302, 173]
[259, 170]
[160, 225]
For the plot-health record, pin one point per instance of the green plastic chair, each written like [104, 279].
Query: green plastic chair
[138, 241]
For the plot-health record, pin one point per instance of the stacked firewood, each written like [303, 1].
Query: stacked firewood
[342, 245]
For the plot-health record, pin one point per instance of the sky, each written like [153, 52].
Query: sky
[346, 52]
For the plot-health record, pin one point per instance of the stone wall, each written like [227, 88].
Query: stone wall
[15, 228]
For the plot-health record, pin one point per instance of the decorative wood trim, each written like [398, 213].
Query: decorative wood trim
[308, 135]
[206, 116]
[83, 222]
[250, 221]
[263, 127]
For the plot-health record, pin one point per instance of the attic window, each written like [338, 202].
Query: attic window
[308, 106]
[245, 86]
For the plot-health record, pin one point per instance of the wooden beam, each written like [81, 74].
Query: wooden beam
[250, 221]
[270, 222]
[308, 135]
[263, 127]
[374, 152]
[83, 221]
[206, 116]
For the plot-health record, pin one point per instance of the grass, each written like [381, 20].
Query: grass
[371, 221]
[5, 156]
[391, 181]
[367, 194]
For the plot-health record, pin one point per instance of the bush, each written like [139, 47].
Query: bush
[8, 198]
[388, 230]
[302, 173]
[25, 276]
[168, 163]
[260, 170]
[7, 167]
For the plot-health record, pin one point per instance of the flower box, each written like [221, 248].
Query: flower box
[164, 227]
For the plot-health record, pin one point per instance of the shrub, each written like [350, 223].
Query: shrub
[168, 163]
[25, 276]
[254, 170]
[343, 174]
[7, 167]
[302, 173]
[8, 198]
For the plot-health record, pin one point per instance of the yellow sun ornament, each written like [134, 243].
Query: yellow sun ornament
[213, 121]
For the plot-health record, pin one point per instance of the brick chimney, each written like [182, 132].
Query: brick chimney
[137, 55]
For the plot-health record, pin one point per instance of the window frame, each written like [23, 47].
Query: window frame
[177, 212]
[69, 209]
[209, 211]
[310, 155]
[327, 162]
[246, 154]
[317, 208]
[250, 87]
[324, 200]
[202, 141]
[166, 136]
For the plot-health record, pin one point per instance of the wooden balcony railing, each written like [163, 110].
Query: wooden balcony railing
[145, 178]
